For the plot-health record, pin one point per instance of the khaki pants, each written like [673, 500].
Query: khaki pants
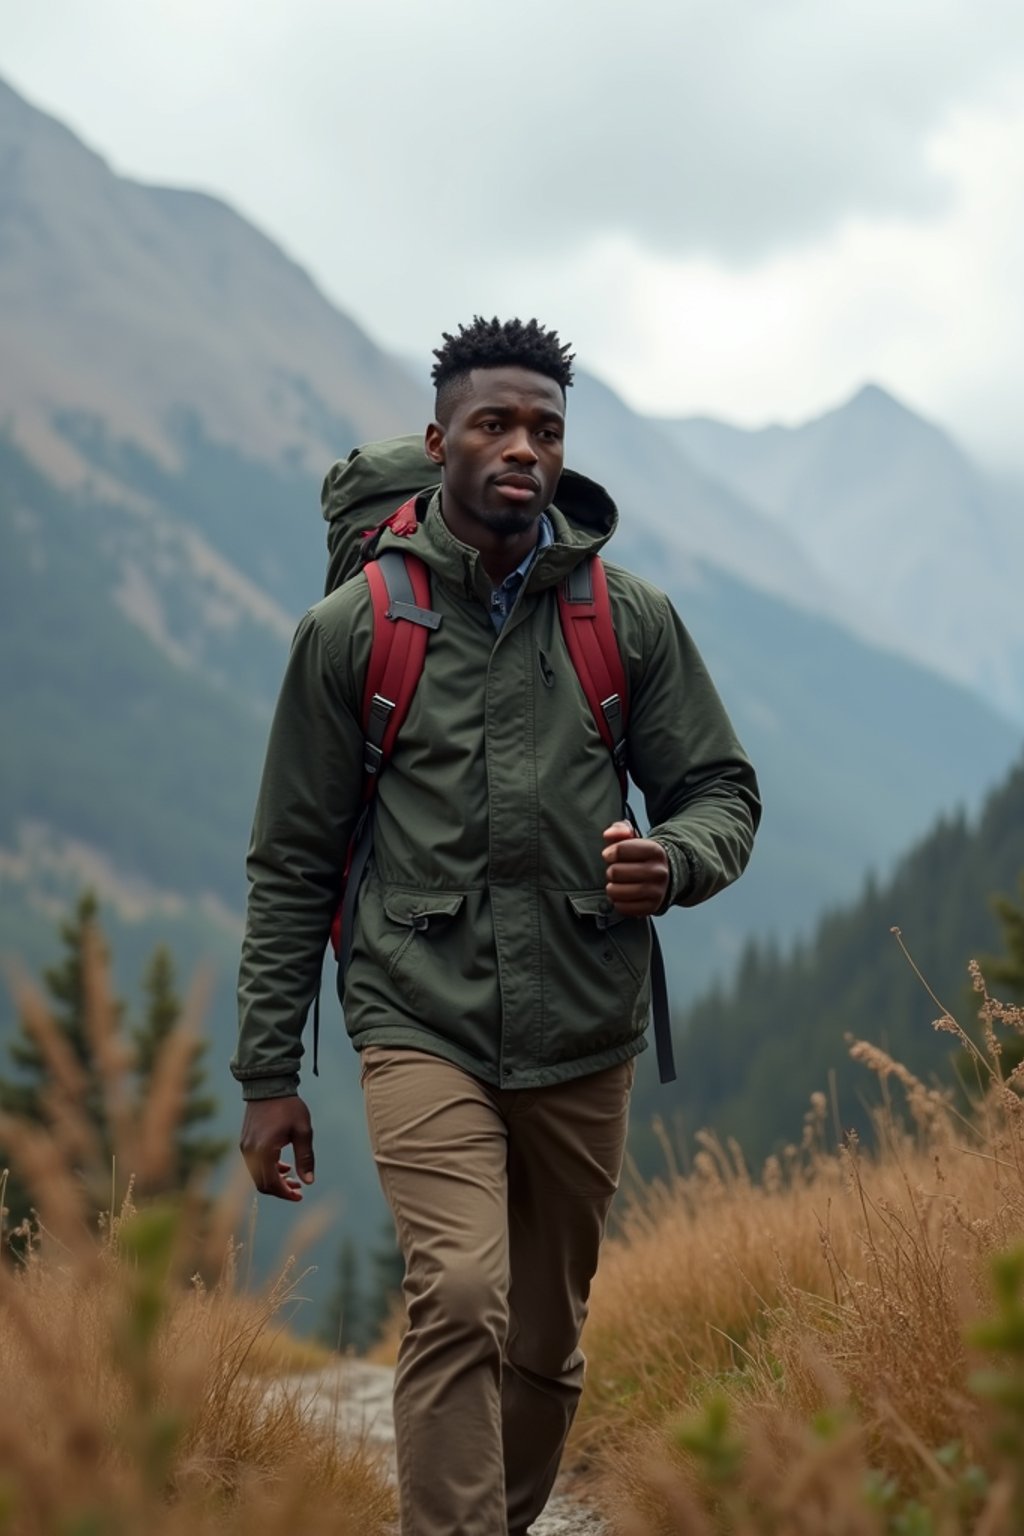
[500, 1199]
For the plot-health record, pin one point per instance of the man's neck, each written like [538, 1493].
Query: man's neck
[500, 553]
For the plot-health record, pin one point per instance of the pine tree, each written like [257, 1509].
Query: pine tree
[1007, 970]
[387, 1271]
[23, 1094]
[345, 1317]
[66, 985]
[1004, 974]
[195, 1153]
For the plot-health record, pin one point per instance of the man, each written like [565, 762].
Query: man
[497, 987]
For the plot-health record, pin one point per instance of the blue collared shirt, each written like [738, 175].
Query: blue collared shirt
[503, 597]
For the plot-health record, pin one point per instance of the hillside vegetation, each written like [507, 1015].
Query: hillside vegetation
[751, 1055]
[108, 739]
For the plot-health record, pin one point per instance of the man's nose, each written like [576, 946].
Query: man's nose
[519, 448]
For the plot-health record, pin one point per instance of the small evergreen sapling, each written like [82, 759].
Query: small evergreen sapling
[25, 1092]
[66, 990]
[195, 1152]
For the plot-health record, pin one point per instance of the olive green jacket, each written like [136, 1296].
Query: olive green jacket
[483, 933]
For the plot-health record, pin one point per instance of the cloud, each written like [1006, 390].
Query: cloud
[934, 311]
[722, 128]
[736, 205]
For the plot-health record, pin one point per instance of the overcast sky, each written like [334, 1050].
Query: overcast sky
[745, 208]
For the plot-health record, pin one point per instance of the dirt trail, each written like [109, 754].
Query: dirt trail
[356, 1399]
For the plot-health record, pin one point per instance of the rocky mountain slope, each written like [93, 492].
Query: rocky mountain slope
[895, 517]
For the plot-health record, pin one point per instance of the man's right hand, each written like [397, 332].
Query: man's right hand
[269, 1126]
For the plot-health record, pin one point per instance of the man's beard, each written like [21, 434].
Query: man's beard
[507, 521]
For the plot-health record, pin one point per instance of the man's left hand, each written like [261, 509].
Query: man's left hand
[637, 871]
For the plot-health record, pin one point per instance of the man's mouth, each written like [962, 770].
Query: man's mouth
[517, 487]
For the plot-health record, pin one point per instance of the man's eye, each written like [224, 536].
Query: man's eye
[491, 426]
[550, 435]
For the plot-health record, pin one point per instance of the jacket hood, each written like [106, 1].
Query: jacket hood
[361, 491]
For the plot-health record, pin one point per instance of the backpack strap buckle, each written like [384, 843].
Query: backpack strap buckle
[585, 611]
[381, 710]
[611, 709]
[415, 615]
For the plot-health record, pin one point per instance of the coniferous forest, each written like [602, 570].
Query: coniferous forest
[752, 1053]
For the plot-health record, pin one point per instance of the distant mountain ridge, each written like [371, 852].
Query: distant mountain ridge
[896, 518]
[127, 302]
[696, 517]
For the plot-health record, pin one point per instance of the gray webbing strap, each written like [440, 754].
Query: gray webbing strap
[579, 588]
[362, 843]
[376, 725]
[402, 602]
[661, 1013]
[611, 708]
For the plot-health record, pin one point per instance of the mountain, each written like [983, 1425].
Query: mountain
[894, 516]
[173, 389]
[145, 308]
[751, 1054]
[694, 517]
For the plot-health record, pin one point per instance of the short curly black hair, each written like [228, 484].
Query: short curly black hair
[497, 344]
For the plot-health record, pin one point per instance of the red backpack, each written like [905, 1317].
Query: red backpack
[403, 621]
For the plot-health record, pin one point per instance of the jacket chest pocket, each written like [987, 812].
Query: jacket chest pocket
[421, 917]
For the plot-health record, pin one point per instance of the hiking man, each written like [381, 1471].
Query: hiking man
[497, 982]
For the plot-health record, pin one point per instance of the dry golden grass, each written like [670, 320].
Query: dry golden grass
[133, 1375]
[786, 1356]
[821, 1311]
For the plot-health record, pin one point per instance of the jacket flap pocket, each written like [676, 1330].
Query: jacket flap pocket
[418, 909]
[596, 906]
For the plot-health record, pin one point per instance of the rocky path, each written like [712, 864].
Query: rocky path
[355, 1398]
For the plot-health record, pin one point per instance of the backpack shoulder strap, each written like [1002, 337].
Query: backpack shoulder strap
[402, 624]
[586, 614]
[585, 611]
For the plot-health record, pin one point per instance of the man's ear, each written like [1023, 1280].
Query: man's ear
[433, 442]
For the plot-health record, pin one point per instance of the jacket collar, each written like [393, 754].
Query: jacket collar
[585, 526]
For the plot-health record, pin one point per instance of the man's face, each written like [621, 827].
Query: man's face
[501, 448]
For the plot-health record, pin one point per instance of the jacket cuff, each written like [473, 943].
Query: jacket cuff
[683, 873]
[269, 1087]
